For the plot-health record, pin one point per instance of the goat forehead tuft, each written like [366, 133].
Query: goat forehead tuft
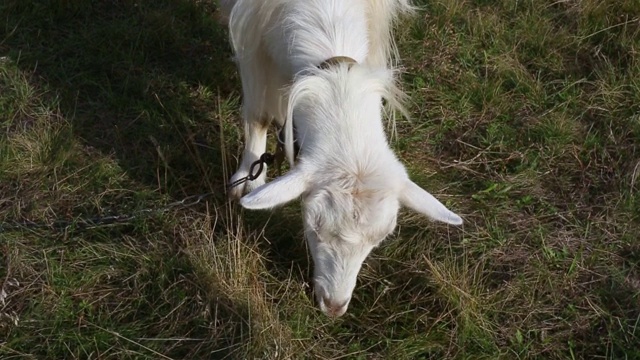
[352, 215]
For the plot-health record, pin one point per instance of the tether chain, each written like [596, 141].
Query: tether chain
[86, 223]
[255, 170]
[257, 167]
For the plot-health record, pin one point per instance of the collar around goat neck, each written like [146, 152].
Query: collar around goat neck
[336, 60]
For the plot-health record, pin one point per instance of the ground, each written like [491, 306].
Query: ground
[525, 119]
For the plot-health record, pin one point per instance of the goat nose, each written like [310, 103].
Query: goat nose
[335, 308]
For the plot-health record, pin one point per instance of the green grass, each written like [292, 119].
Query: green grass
[525, 120]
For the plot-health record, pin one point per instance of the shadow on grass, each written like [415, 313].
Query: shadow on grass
[133, 79]
[151, 84]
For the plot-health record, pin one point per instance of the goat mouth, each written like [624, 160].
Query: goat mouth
[333, 312]
[333, 308]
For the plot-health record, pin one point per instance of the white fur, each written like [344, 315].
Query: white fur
[351, 182]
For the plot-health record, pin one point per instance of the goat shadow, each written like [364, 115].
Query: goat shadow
[130, 77]
[127, 74]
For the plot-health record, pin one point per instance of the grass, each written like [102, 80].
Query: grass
[526, 120]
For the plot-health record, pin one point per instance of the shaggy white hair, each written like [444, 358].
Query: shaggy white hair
[351, 182]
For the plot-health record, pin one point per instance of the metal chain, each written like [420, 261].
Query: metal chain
[98, 221]
[255, 170]
[86, 223]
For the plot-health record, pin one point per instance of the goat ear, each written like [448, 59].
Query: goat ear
[277, 192]
[414, 197]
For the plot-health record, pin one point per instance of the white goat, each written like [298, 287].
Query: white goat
[351, 183]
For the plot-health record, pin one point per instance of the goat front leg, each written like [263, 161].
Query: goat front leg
[255, 137]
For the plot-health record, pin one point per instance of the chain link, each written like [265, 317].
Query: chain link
[98, 221]
[255, 170]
